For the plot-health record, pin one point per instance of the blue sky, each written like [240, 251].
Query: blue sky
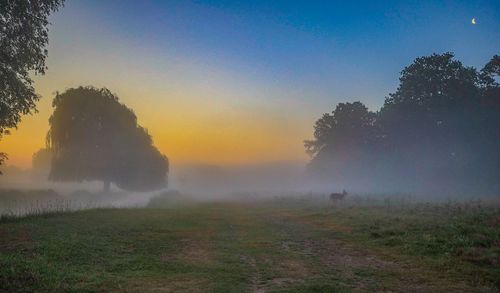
[243, 81]
[334, 49]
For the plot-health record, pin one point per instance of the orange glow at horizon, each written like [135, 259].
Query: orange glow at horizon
[196, 112]
[187, 131]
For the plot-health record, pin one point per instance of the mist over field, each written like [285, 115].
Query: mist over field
[329, 103]
[249, 146]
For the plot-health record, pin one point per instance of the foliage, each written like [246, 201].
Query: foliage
[441, 127]
[491, 71]
[94, 137]
[350, 124]
[23, 38]
[3, 157]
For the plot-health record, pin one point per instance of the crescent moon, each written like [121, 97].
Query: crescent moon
[473, 21]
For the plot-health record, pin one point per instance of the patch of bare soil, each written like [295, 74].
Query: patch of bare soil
[18, 241]
[195, 251]
[255, 279]
[260, 284]
[367, 271]
[178, 284]
[194, 248]
[191, 252]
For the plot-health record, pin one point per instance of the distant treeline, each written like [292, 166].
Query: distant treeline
[440, 131]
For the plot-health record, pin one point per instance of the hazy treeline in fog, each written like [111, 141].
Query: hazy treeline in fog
[439, 132]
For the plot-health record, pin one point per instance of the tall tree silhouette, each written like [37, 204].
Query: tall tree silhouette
[341, 139]
[349, 125]
[441, 127]
[488, 118]
[94, 137]
[23, 38]
[433, 92]
[490, 72]
[431, 119]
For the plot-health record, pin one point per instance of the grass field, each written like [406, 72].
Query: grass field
[297, 245]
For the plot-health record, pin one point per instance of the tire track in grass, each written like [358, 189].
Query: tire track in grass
[357, 267]
[266, 265]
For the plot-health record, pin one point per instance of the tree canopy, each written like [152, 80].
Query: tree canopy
[349, 125]
[23, 38]
[440, 127]
[93, 136]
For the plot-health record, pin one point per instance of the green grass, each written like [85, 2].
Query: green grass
[464, 236]
[266, 246]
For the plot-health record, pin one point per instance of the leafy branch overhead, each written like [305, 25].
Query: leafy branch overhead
[23, 38]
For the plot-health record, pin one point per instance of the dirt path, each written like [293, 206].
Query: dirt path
[311, 255]
[217, 247]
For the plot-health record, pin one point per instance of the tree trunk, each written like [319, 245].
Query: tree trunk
[106, 186]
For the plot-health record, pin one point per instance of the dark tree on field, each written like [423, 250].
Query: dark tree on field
[23, 38]
[94, 137]
[431, 120]
[490, 78]
[488, 119]
[349, 125]
[41, 162]
[342, 139]
[440, 127]
[490, 73]
[433, 93]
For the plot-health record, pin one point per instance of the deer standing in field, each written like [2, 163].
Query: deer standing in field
[334, 197]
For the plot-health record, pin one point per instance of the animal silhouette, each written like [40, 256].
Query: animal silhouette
[338, 196]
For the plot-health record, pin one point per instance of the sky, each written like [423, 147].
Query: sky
[242, 82]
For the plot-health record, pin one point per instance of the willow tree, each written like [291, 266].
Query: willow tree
[93, 136]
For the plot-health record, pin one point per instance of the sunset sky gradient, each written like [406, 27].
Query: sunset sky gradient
[229, 82]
